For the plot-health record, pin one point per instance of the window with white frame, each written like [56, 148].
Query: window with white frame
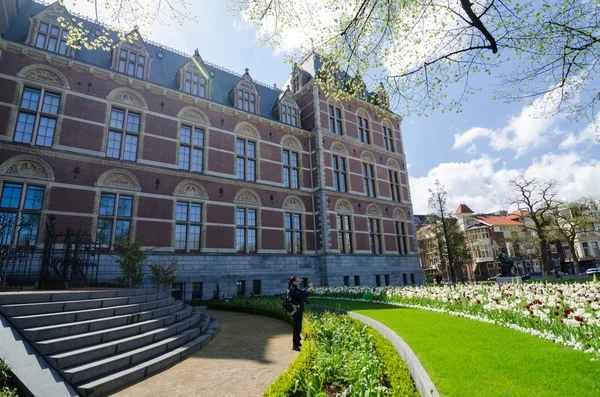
[375, 235]
[291, 169]
[395, 187]
[586, 248]
[293, 233]
[344, 226]
[483, 251]
[246, 230]
[52, 38]
[246, 100]
[335, 120]
[191, 148]
[480, 234]
[340, 173]
[245, 160]
[289, 115]
[37, 117]
[388, 139]
[131, 63]
[369, 179]
[20, 213]
[195, 84]
[363, 130]
[595, 248]
[188, 226]
[123, 134]
[402, 240]
[114, 219]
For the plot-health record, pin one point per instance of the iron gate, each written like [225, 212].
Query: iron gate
[69, 259]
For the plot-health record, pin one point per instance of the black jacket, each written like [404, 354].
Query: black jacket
[298, 296]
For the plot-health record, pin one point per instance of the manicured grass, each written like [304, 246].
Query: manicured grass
[469, 358]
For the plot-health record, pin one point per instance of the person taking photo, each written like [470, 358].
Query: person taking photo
[298, 296]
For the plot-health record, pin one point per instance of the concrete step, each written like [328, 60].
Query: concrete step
[95, 369]
[78, 357]
[78, 341]
[41, 320]
[106, 384]
[80, 327]
[11, 298]
[25, 309]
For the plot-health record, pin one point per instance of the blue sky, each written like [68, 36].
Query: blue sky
[474, 153]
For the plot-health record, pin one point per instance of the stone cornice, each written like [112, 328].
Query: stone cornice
[60, 60]
[390, 203]
[356, 142]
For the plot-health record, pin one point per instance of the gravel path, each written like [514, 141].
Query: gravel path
[245, 357]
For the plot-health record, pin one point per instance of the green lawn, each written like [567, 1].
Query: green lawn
[469, 358]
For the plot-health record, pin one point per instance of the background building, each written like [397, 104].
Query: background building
[243, 182]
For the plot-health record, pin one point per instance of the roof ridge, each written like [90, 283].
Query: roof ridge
[161, 46]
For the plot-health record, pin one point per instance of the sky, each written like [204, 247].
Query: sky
[474, 154]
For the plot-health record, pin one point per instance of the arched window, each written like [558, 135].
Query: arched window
[126, 124]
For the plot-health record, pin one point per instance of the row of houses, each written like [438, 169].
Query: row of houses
[489, 234]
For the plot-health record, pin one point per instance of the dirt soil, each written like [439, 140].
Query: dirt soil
[245, 357]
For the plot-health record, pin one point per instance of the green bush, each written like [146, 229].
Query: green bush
[339, 354]
[164, 274]
[5, 390]
[131, 261]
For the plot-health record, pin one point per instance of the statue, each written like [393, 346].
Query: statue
[507, 264]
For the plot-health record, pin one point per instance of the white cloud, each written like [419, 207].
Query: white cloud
[586, 136]
[484, 183]
[467, 137]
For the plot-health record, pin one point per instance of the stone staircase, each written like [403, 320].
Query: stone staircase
[100, 341]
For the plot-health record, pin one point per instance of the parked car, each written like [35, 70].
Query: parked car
[592, 271]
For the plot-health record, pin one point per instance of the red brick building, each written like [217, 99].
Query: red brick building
[244, 183]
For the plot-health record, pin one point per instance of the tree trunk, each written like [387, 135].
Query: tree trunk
[544, 254]
[574, 255]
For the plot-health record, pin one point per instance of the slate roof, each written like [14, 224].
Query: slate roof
[163, 71]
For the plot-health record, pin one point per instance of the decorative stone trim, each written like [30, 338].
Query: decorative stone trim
[247, 196]
[373, 210]
[44, 74]
[246, 129]
[27, 167]
[128, 97]
[190, 189]
[423, 382]
[291, 142]
[194, 115]
[344, 206]
[399, 214]
[293, 203]
[118, 179]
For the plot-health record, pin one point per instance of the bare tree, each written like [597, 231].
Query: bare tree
[417, 49]
[536, 200]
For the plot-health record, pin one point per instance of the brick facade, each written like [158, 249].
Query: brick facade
[76, 173]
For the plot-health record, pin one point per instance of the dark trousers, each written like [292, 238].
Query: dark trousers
[297, 327]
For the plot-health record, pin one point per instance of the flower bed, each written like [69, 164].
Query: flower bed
[340, 356]
[568, 314]
[5, 381]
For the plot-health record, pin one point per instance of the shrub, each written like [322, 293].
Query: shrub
[339, 355]
[5, 390]
[131, 261]
[163, 274]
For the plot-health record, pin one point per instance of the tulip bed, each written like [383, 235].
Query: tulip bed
[567, 314]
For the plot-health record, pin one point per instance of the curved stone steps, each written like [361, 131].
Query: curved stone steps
[98, 341]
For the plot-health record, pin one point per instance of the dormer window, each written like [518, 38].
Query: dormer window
[131, 57]
[194, 77]
[52, 38]
[195, 84]
[131, 63]
[246, 100]
[288, 115]
[245, 96]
